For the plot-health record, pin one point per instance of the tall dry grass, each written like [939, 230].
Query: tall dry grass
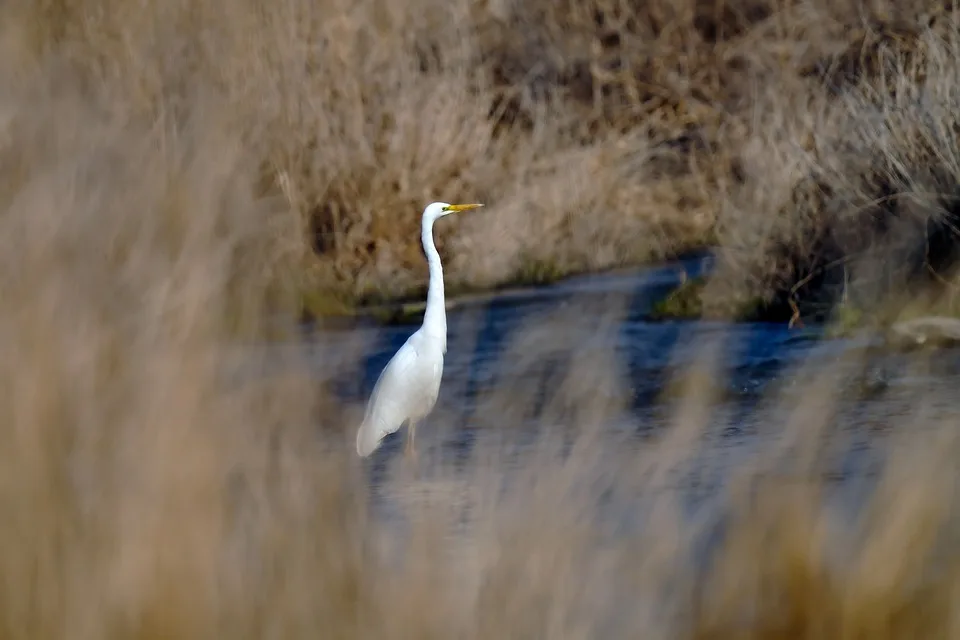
[601, 134]
[151, 487]
[850, 195]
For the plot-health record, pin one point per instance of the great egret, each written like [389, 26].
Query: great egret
[407, 389]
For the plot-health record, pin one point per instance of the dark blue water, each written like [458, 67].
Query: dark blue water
[519, 348]
[509, 358]
[606, 312]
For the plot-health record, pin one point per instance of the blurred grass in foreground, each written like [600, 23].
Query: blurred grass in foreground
[145, 494]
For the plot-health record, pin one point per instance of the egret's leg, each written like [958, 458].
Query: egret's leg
[411, 433]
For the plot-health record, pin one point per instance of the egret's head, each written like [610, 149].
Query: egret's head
[439, 209]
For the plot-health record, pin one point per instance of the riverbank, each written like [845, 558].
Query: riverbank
[625, 284]
[831, 182]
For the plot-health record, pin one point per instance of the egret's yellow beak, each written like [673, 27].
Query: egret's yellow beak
[461, 207]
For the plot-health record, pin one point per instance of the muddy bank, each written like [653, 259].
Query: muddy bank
[636, 291]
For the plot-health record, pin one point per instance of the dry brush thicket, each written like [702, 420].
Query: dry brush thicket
[793, 134]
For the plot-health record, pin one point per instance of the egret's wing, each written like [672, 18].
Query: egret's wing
[388, 406]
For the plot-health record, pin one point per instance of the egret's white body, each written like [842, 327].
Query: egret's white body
[408, 386]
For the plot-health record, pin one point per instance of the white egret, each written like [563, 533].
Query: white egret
[407, 389]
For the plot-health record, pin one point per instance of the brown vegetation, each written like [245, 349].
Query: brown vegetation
[792, 134]
[159, 165]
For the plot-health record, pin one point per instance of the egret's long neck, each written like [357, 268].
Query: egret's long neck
[435, 316]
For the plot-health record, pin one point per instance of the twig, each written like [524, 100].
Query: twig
[791, 300]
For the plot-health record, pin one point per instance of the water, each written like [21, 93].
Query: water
[508, 359]
[483, 349]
